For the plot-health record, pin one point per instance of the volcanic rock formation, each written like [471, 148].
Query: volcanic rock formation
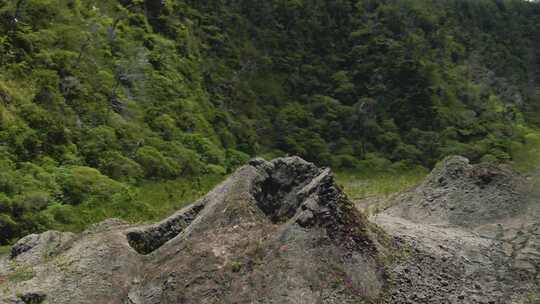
[473, 233]
[283, 232]
[274, 232]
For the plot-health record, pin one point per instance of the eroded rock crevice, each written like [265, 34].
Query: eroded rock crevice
[33, 298]
[295, 189]
[276, 195]
[149, 239]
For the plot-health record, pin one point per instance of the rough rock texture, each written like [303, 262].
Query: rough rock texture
[274, 232]
[473, 233]
[458, 193]
[282, 232]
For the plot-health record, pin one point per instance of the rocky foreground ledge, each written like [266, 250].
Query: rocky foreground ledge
[283, 232]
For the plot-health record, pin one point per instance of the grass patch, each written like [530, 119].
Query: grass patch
[164, 198]
[361, 185]
[149, 201]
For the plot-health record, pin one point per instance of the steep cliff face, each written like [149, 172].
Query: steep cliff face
[274, 232]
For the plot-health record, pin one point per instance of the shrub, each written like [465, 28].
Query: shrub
[7, 183]
[63, 214]
[405, 151]
[155, 164]
[119, 167]
[5, 203]
[209, 152]
[37, 177]
[235, 159]
[97, 141]
[187, 160]
[166, 126]
[34, 200]
[215, 170]
[374, 162]
[82, 183]
[345, 161]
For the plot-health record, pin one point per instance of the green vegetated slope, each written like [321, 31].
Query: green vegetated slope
[130, 108]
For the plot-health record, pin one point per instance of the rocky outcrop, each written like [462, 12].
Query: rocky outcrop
[283, 232]
[457, 193]
[472, 233]
[274, 232]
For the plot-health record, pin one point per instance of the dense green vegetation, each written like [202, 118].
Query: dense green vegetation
[104, 102]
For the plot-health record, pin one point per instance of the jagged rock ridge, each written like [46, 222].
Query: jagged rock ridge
[274, 232]
[283, 232]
